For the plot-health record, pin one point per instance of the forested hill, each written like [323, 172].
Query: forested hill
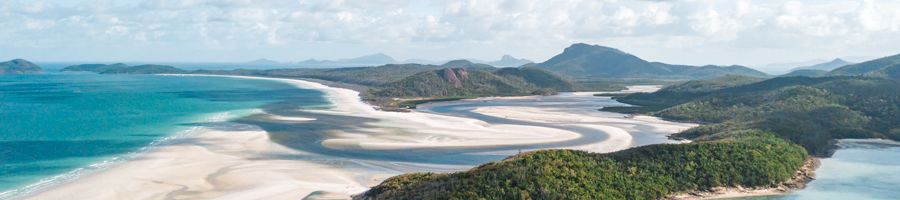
[19, 66]
[882, 67]
[587, 62]
[119, 68]
[746, 158]
[93, 67]
[450, 82]
[811, 112]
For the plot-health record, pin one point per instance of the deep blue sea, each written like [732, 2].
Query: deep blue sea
[54, 127]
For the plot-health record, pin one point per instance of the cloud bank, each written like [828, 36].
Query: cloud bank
[688, 32]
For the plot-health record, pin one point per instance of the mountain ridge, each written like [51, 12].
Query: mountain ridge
[366, 60]
[826, 66]
[585, 61]
[885, 66]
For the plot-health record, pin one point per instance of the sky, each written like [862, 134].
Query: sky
[679, 32]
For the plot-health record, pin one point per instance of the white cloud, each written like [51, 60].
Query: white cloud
[470, 28]
[878, 17]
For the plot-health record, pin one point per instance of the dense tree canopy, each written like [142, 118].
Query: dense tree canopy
[811, 112]
[745, 158]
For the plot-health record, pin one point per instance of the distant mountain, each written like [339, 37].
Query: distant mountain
[879, 67]
[420, 61]
[807, 73]
[368, 60]
[264, 62]
[19, 66]
[120, 68]
[146, 69]
[786, 67]
[505, 61]
[509, 61]
[451, 82]
[468, 65]
[583, 61]
[827, 66]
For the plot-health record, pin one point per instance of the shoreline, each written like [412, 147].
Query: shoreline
[67, 177]
[242, 162]
[801, 178]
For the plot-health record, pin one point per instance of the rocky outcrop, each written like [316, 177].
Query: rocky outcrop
[456, 76]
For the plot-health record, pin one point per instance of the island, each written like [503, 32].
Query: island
[19, 66]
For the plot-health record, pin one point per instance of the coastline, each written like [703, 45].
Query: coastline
[239, 161]
[802, 177]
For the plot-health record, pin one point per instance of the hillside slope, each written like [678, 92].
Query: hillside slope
[807, 73]
[120, 68]
[811, 112]
[450, 82]
[867, 67]
[93, 67]
[19, 66]
[748, 159]
[826, 66]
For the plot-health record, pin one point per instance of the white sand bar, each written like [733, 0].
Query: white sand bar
[246, 164]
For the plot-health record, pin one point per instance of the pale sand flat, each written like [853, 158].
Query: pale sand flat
[223, 164]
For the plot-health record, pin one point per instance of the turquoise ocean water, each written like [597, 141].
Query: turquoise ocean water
[54, 127]
[861, 169]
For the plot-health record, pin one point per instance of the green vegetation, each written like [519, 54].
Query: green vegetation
[413, 103]
[120, 68]
[827, 66]
[892, 72]
[680, 93]
[811, 112]
[868, 67]
[617, 84]
[449, 82]
[19, 66]
[98, 68]
[807, 73]
[589, 62]
[145, 69]
[746, 158]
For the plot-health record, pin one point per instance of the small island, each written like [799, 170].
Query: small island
[19, 66]
[119, 68]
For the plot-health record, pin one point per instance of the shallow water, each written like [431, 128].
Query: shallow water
[861, 169]
[567, 102]
[55, 126]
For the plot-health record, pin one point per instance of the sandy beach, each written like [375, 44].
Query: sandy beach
[227, 160]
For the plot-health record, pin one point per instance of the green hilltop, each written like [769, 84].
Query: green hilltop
[19, 66]
[811, 112]
[587, 62]
[120, 68]
[886, 67]
[462, 82]
[752, 159]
